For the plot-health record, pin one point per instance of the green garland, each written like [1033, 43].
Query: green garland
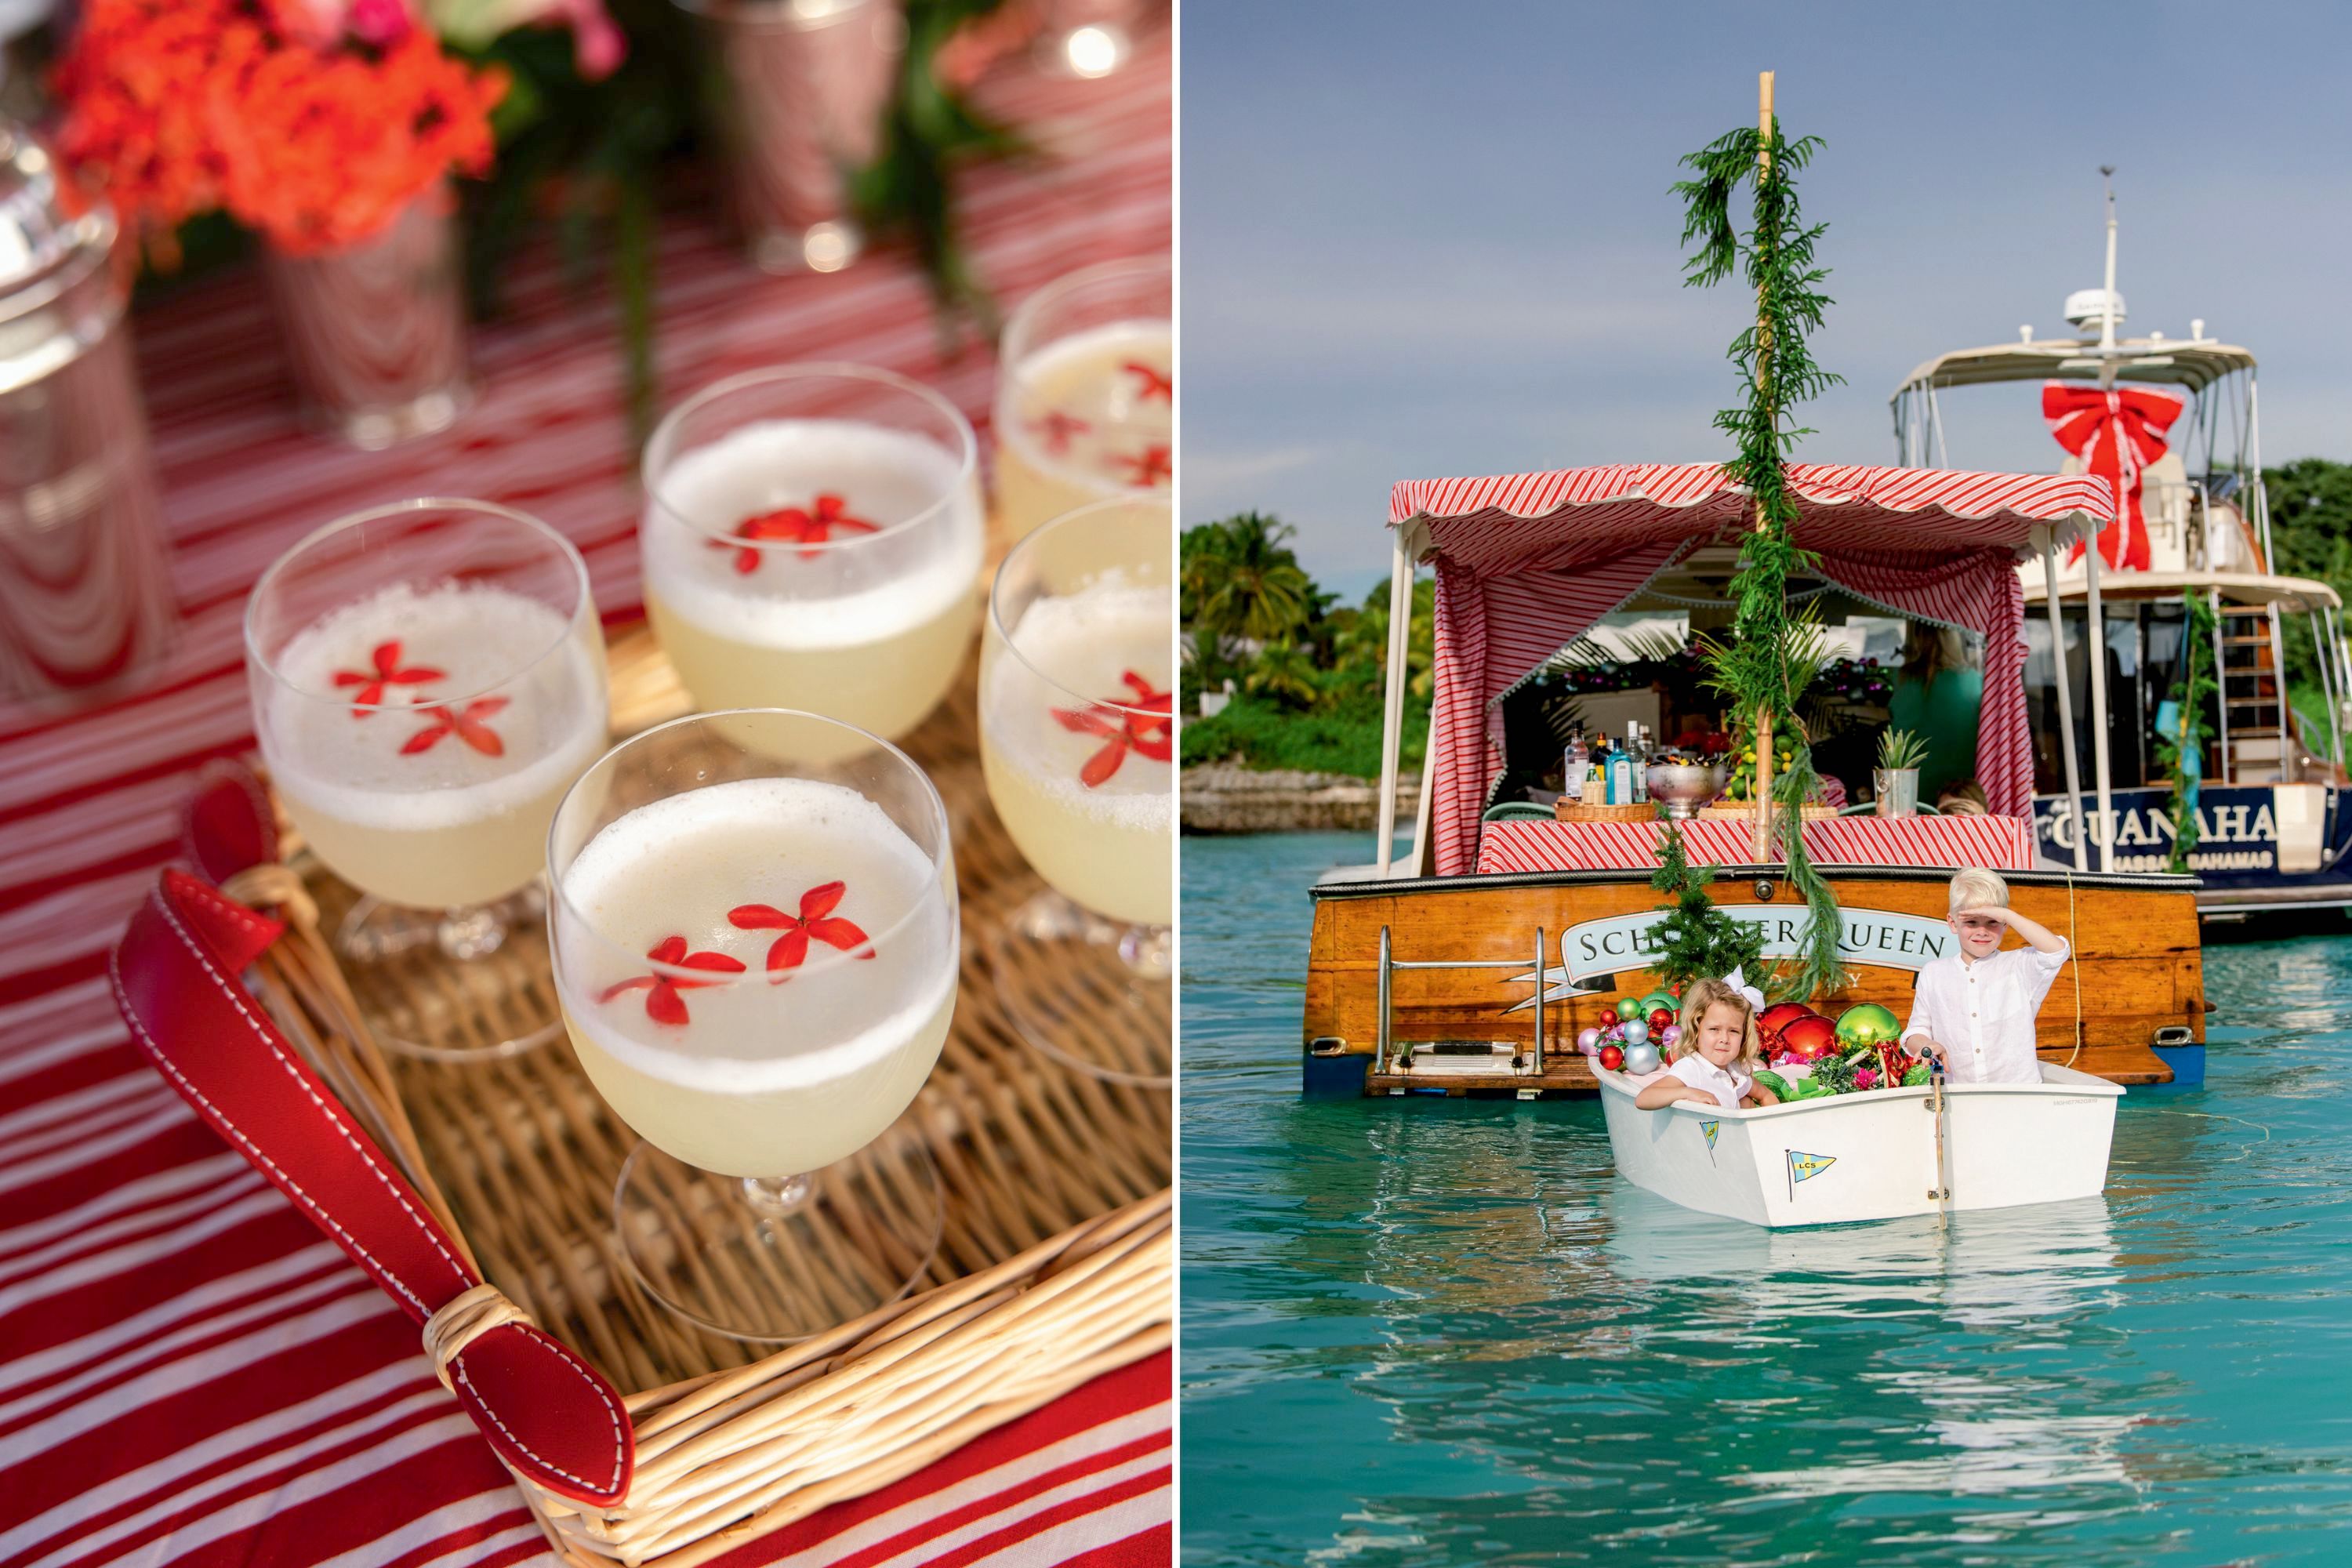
[930, 132]
[2191, 690]
[1777, 370]
[1696, 940]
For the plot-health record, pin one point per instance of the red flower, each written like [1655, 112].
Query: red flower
[793, 525]
[1056, 428]
[1123, 729]
[663, 1003]
[1149, 468]
[316, 138]
[1155, 384]
[387, 672]
[467, 726]
[815, 920]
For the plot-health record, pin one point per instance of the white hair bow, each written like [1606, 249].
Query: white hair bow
[1738, 981]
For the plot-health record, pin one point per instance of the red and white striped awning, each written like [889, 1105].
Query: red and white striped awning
[1486, 524]
[1525, 562]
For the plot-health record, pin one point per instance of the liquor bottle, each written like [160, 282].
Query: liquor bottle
[1620, 778]
[1572, 765]
[1637, 755]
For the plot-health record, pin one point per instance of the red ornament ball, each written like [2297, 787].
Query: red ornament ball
[1611, 1056]
[1659, 1018]
[1808, 1038]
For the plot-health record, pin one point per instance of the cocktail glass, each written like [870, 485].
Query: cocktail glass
[757, 959]
[1086, 398]
[427, 680]
[811, 539]
[1077, 740]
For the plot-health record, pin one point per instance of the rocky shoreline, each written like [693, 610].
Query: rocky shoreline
[1220, 798]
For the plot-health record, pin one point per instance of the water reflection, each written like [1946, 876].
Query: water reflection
[1421, 1335]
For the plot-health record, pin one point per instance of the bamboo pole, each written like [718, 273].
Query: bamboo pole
[1760, 844]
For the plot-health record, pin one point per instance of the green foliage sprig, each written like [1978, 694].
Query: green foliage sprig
[1760, 667]
[1696, 939]
[2191, 689]
[929, 130]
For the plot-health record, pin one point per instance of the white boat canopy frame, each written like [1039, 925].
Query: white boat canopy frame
[1525, 562]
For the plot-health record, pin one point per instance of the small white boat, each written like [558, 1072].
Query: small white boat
[1871, 1155]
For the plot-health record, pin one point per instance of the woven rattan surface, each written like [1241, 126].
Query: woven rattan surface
[1052, 1261]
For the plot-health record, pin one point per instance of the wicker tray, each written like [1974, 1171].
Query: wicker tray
[1746, 810]
[1053, 1265]
[1577, 811]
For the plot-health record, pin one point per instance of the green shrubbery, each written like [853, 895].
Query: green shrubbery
[1306, 672]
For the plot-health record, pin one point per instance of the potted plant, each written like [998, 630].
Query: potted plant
[1896, 780]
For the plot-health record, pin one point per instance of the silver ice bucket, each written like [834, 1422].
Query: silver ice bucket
[86, 607]
[1682, 788]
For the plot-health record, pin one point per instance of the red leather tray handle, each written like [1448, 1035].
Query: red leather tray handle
[551, 1417]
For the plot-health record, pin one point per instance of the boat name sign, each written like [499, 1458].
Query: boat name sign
[1595, 949]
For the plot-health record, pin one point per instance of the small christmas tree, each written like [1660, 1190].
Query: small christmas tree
[1697, 940]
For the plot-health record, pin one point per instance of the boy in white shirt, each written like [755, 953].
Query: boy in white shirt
[1975, 1008]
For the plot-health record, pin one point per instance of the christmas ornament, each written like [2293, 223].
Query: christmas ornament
[1659, 1018]
[1808, 1039]
[1671, 1036]
[1868, 1024]
[1628, 1007]
[1588, 1039]
[1656, 1000]
[1635, 1031]
[1612, 1057]
[1641, 1058]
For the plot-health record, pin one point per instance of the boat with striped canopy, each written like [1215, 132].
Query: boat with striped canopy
[1469, 965]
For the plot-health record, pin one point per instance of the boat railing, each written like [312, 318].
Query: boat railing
[1383, 1034]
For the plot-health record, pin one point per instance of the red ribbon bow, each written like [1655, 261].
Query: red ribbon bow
[2118, 435]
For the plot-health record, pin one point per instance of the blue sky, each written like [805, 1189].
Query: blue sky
[1432, 239]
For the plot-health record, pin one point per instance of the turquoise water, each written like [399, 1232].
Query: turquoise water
[1444, 1332]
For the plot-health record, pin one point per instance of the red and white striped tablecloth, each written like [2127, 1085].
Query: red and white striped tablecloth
[189, 1374]
[1996, 842]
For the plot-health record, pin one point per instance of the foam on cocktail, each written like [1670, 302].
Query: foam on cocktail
[677, 866]
[1076, 424]
[445, 822]
[1105, 843]
[825, 600]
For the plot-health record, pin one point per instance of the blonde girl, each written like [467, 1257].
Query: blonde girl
[1718, 1051]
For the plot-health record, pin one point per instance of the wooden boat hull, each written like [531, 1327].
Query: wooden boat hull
[1869, 1156]
[2136, 985]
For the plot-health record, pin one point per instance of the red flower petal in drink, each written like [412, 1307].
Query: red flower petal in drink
[1056, 428]
[815, 918]
[793, 525]
[663, 1003]
[1140, 722]
[467, 726]
[1147, 469]
[1156, 383]
[387, 672]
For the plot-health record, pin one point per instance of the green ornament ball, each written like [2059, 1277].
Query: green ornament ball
[1657, 999]
[1868, 1024]
[1629, 1007]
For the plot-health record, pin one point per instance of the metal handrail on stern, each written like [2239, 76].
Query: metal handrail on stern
[1382, 1037]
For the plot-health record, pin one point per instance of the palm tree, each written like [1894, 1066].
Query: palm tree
[1364, 638]
[1284, 673]
[1240, 580]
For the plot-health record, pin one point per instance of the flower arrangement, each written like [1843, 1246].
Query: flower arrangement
[314, 123]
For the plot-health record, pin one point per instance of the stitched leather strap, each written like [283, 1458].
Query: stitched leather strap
[548, 1414]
